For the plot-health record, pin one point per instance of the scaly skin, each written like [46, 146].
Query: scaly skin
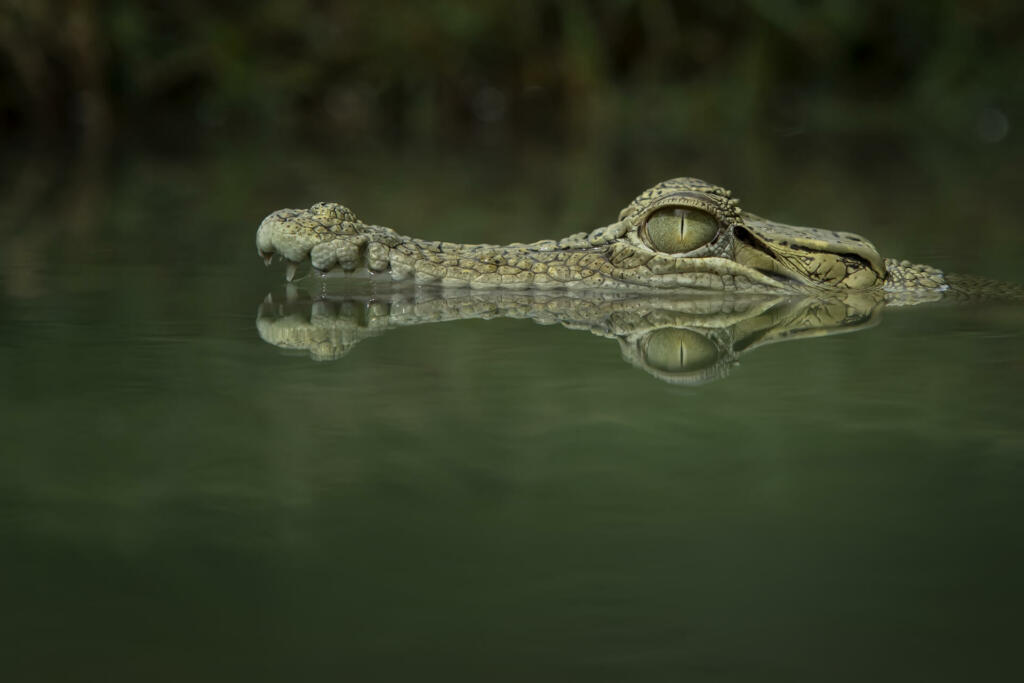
[743, 253]
[683, 340]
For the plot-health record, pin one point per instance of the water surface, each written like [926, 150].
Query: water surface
[496, 498]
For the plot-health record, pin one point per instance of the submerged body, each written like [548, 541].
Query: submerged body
[683, 233]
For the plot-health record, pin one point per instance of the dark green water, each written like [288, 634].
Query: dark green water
[497, 500]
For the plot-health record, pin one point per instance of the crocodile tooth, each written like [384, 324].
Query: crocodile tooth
[289, 273]
[268, 256]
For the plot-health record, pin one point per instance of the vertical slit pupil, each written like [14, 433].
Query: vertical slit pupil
[680, 229]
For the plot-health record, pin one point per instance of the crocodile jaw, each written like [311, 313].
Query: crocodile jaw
[332, 239]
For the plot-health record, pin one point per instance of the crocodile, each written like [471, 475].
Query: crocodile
[681, 234]
[687, 340]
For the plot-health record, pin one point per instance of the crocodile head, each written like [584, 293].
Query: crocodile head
[681, 233]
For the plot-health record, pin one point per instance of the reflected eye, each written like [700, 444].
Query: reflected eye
[676, 230]
[675, 350]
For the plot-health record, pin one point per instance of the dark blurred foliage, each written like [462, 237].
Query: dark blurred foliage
[424, 68]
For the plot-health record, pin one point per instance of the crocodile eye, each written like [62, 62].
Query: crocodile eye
[676, 230]
[674, 350]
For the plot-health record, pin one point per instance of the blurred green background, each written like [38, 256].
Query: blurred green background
[90, 67]
[498, 500]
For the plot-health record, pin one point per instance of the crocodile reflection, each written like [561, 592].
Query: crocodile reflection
[687, 340]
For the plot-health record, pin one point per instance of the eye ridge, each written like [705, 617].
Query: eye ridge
[679, 229]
